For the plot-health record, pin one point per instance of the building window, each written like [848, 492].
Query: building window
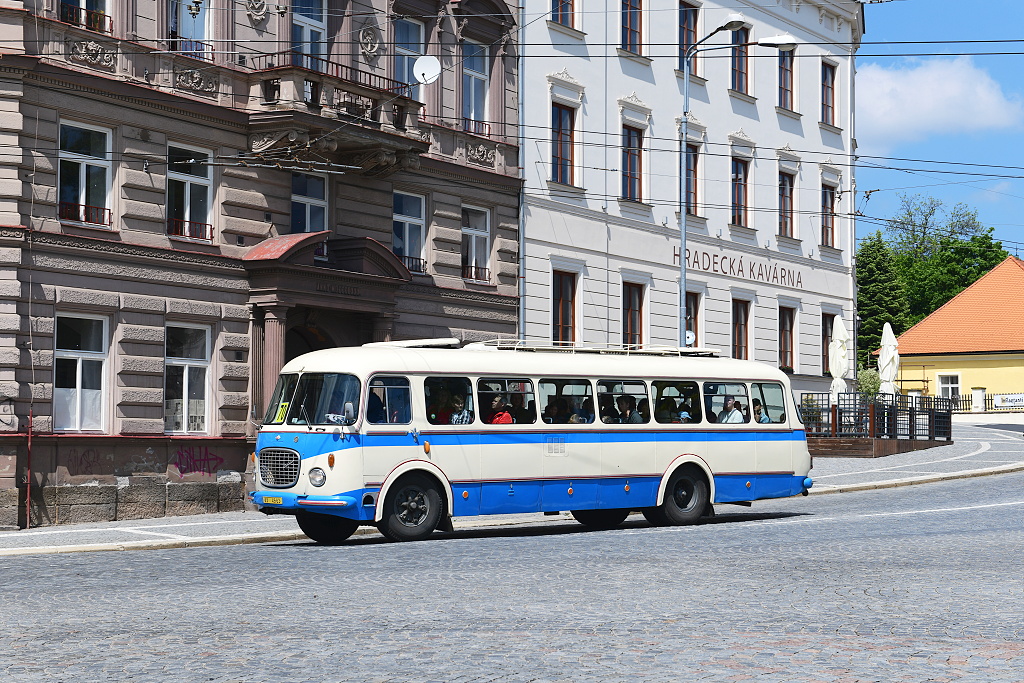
[786, 79]
[828, 216]
[740, 319]
[561, 12]
[309, 203]
[740, 172]
[408, 47]
[188, 193]
[563, 306]
[692, 158]
[949, 386]
[186, 361]
[740, 59]
[688, 15]
[308, 30]
[562, 124]
[79, 363]
[631, 17]
[188, 24]
[827, 321]
[89, 14]
[828, 93]
[474, 88]
[476, 247]
[632, 163]
[786, 183]
[692, 316]
[632, 314]
[84, 184]
[787, 320]
[409, 230]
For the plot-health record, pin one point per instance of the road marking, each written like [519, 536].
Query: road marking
[899, 513]
[142, 529]
[985, 445]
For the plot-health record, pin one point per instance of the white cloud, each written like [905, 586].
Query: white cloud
[928, 97]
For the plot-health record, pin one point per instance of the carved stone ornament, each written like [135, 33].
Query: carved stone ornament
[92, 53]
[379, 163]
[480, 154]
[257, 11]
[369, 41]
[261, 142]
[198, 81]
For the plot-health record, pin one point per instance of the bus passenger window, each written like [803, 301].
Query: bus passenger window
[726, 403]
[388, 401]
[566, 401]
[676, 402]
[507, 401]
[768, 402]
[449, 400]
[623, 401]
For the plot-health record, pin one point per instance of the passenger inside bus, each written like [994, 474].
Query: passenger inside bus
[461, 415]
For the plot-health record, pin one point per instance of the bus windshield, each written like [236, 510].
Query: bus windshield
[314, 399]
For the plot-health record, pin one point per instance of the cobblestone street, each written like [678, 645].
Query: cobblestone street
[916, 583]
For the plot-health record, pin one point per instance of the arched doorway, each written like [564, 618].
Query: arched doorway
[303, 339]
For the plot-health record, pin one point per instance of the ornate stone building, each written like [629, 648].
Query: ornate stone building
[193, 192]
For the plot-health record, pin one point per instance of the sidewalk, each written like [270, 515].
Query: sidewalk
[979, 450]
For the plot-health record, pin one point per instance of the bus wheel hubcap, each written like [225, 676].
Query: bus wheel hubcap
[412, 507]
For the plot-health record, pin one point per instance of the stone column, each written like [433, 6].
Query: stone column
[275, 319]
[383, 325]
[257, 406]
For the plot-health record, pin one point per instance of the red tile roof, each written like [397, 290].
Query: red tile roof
[986, 317]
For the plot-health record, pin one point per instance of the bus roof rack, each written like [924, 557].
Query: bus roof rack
[606, 349]
[419, 343]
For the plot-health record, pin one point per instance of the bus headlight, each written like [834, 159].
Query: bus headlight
[317, 477]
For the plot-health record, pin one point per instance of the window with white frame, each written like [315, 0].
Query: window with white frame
[90, 14]
[189, 186]
[561, 12]
[476, 247]
[79, 367]
[188, 24]
[408, 48]
[309, 203]
[949, 385]
[474, 88]
[309, 27]
[83, 187]
[409, 230]
[186, 366]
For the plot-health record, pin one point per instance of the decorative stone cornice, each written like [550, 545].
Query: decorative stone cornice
[263, 141]
[123, 249]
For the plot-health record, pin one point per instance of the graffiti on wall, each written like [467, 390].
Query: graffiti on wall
[197, 459]
[86, 461]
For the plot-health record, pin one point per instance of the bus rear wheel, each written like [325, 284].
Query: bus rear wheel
[412, 509]
[601, 519]
[326, 529]
[686, 499]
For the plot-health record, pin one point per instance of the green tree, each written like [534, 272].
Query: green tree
[923, 222]
[881, 297]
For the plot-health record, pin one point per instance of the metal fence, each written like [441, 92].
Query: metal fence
[964, 403]
[882, 416]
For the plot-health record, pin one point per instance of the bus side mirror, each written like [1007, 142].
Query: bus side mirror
[349, 413]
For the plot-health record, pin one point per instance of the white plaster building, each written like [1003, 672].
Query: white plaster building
[768, 264]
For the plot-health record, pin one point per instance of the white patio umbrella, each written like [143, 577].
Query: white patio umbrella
[888, 361]
[838, 358]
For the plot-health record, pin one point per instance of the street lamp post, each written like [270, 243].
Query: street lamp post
[733, 22]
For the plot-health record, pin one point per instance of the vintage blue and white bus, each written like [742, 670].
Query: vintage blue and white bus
[407, 435]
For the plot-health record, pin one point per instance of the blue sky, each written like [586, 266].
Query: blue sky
[951, 107]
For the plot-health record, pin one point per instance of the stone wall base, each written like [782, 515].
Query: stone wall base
[138, 498]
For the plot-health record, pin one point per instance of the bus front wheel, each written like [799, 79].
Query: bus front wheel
[326, 529]
[412, 509]
[601, 519]
[686, 498]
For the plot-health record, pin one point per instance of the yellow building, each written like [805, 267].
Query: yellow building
[975, 340]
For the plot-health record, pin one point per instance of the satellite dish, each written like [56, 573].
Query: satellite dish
[426, 69]
[690, 337]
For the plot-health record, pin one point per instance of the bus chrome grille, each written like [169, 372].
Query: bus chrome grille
[279, 467]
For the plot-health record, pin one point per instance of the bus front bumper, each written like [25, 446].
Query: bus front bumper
[342, 504]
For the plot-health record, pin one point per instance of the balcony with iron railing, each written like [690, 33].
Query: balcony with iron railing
[476, 273]
[476, 127]
[92, 20]
[414, 264]
[343, 72]
[193, 230]
[81, 213]
[189, 47]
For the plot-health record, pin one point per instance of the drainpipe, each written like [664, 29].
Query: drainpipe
[522, 173]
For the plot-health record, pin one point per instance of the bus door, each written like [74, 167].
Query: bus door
[452, 431]
[510, 461]
[775, 440]
[731, 441]
[569, 444]
[388, 438]
[628, 444]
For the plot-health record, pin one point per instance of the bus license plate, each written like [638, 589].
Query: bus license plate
[273, 500]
